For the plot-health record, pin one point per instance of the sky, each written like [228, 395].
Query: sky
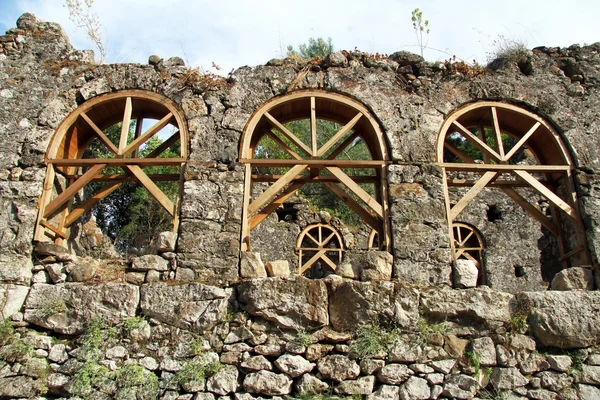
[235, 33]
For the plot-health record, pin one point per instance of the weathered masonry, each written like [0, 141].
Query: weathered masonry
[449, 213]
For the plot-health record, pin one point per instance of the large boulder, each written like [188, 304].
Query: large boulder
[267, 383]
[576, 278]
[12, 298]
[192, 306]
[67, 308]
[297, 303]
[567, 319]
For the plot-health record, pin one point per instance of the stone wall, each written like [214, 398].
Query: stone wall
[183, 323]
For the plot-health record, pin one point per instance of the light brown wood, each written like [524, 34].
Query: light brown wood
[496, 183]
[319, 246]
[339, 135]
[162, 148]
[313, 127]
[338, 150]
[125, 125]
[73, 189]
[245, 239]
[121, 177]
[498, 133]
[284, 146]
[481, 130]
[531, 209]
[571, 253]
[54, 229]
[275, 188]
[138, 132]
[522, 141]
[471, 194]
[318, 178]
[365, 215]
[475, 141]
[154, 190]
[103, 138]
[153, 130]
[579, 227]
[289, 135]
[120, 162]
[278, 163]
[87, 205]
[504, 167]
[357, 190]
[43, 201]
[274, 205]
[547, 193]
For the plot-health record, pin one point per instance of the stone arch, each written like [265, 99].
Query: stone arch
[65, 156]
[515, 150]
[317, 160]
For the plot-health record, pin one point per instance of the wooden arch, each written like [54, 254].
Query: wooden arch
[65, 156]
[357, 123]
[483, 125]
[318, 242]
[469, 245]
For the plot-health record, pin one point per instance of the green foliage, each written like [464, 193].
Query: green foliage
[421, 27]
[81, 14]
[427, 328]
[576, 367]
[474, 360]
[53, 306]
[98, 336]
[372, 340]
[13, 347]
[92, 375]
[458, 141]
[318, 47]
[131, 324]
[196, 371]
[508, 49]
[518, 322]
[303, 338]
[135, 381]
[7, 332]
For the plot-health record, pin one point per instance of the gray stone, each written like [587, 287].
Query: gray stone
[361, 386]
[317, 351]
[56, 382]
[181, 275]
[17, 387]
[338, 368]
[251, 266]
[507, 378]
[192, 306]
[149, 363]
[368, 366]
[405, 349]
[590, 375]
[40, 277]
[67, 308]
[293, 365]
[347, 270]
[278, 268]
[335, 59]
[58, 354]
[466, 274]
[460, 387]
[84, 270]
[555, 381]
[153, 276]
[394, 374]
[267, 383]
[309, 384]
[56, 272]
[385, 392]
[532, 363]
[415, 389]
[588, 392]
[166, 241]
[485, 349]
[223, 382]
[296, 303]
[12, 298]
[576, 278]
[149, 262]
[564, 319]
[257, 363]
[135, 278]
[443, 366]
[116, 352]
[541, 394]
[377, 266]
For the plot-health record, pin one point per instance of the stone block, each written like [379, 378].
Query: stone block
[576, 278]
[251, 265]
[166, 241]
[149, 262]
[465, 274]
[278, 268]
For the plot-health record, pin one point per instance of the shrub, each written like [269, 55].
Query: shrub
[372, 340]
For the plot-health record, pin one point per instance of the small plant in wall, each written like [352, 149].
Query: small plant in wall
[421, 28]
[372, 340]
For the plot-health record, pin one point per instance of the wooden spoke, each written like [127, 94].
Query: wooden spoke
[138, 132]
[318, 245]
[103, 138]
[463, 241]
[338, 150]
[164, 146]
[313, 127]
[475, 141]
[499, 143]
[275, 188]
[275, 204]
[531, 209]
[357, 190]
[367, 216]
[459, 153]
[72, 189]
[153, 130]
[152, 188]
[284, 146]
[54, 229]
[547, 193]
[340, 134]
[505, 167]
[470, 195]
[522, 141]
[285, 131]
[92, 201]
[125, 125]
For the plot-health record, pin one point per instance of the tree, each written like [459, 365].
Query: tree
[313, 48]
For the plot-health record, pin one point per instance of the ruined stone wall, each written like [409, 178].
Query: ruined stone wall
[166, 317]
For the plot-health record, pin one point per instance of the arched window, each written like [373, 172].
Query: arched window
[469, 245]
[502, 146]
[135, 119]
[313, 138]
[320, 248]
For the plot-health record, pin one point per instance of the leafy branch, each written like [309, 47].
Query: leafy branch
[81, 14]
[421, 27]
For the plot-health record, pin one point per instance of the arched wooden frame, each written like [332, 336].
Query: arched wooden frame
[554, 163]
[88, 122]
[310, 105]
[469, 245]
[321, 237]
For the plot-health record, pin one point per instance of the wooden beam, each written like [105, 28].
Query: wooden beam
[338, 150]
[459, 153]
[313, 127]
[481, 129]
[475, 141]
[87, 205]
[245, 234]
[284, 146]
[138, 132]
[470, 195]
[318, 178]
[504, 167]
[73, 189]
[368, 217]
[119, 162]
[54, 229]
[571, 253]
[313, 259]
[498, 133]
[125, 125]
[547, 193]
[496, 183]
[164, 146]
[153, 189]
[121, 177]
[522, 140]
[275, 188]
[103, 138]
[531, 209]
[286, 132]
[43, 201]
[153, 130]
[340, 134]
[274, 205]
[357, 190]
[259, 162]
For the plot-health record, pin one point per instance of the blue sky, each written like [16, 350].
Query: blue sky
[235, 33]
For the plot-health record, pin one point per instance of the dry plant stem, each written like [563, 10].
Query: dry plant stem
[80, 13]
